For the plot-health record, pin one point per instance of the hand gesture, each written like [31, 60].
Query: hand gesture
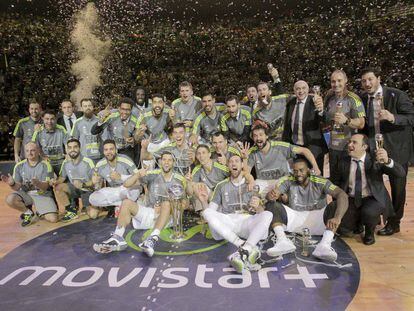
[191, 154]
[255, 205]
[202, 192]
[8, 179]
[273, 194]
[340, 118]
[37, 127]
[318, 102]
[381, 155]
[244, 151]
[77, 183]
[145, 143]
[53, 182]
[189, 175]
[193, 139]
[386, 115]
[115, 176]
[221, 159]
[171, 113]
[316, 171]
[273, 71]
[333, 224]
[104, 114]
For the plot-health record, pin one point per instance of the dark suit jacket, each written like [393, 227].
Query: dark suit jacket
[311, 125]
[373, 173]
[398, 137]
[60, 120]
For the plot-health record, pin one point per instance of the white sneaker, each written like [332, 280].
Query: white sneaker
[325, 252]
[115, 243]
[148, 245]
[282, 246]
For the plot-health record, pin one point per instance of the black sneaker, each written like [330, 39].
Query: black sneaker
[69, 216]
[27, 219]
[148, 245]
[115, 243]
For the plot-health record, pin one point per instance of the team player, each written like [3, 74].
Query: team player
[305, 206]
[237, 121]
[228, 217]
[270, 158]
[208, 121]
[155, 213]
[74, 182]
[90, 144]
[25, 128]
[346, 114]
[51, 138]
[114, 169]
[30, 182]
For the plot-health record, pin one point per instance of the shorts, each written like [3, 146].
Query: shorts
[76, 193]
[298, 220]
[146, 218]
[43, 204]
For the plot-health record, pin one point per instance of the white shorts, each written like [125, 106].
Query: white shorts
[145, 218]
[265, 186]
[237, 223]
[112, 196]
[155, 147]
[298, 220]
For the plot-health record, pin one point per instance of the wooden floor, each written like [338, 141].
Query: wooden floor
[387, 267]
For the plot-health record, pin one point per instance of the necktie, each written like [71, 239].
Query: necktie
[358, 185]
[70, 123]
[371, 120]
[295, 132]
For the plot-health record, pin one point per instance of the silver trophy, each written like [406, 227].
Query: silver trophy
[306, 236]
[176, 195]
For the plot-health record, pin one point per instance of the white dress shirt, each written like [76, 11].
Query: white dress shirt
[300, 129]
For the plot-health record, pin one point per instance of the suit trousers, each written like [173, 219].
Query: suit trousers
[398, 194]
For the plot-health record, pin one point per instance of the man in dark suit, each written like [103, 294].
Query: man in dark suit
[68, 116]
[303, 116]
[391, 113]
[361, 178]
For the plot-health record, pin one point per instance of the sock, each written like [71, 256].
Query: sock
[155, 232]
[237, 242]
[280, 233]
[119, 231]
[327, 237]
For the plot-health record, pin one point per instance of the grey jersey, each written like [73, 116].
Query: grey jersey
[204, 125]
[312, 197]
[235, 126]
[274, 116]
[52, 143]
[24, 130]
[82, 170]
[118, 130]
[158, 186]
[217, 174]
[274, 164]
[156, 127]
[187, 111]
[182, 162]
[231, 198]
[23, 173]
[124, 166]
[90, 144]
[137, 111]
[352, 107]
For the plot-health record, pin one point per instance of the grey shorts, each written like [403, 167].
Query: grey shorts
[43, 204]
[76, 193]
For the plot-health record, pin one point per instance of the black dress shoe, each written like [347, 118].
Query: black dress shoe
[389, 229]
[369, 237]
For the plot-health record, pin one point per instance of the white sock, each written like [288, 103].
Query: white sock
[155, 232]
[119, 231]
[327, 237]
[280, 233]
[28, 212]
[237, 242]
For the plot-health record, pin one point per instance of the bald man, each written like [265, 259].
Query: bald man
[304, 113]
[30, 182]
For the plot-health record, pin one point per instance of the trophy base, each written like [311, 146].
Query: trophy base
[177, 237]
